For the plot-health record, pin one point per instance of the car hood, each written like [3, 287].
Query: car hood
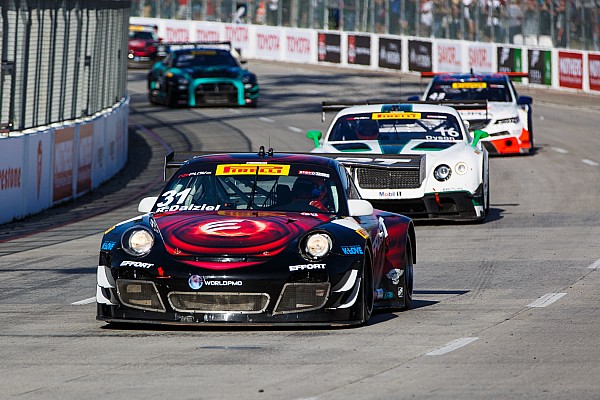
[140, 43]
[212, 72]
[233, 233]
[386, 147]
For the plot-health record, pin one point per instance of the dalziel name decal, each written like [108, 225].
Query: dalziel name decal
[191, 207]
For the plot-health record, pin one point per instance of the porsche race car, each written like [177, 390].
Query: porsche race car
[415, 159]
[508, 117]
[257, 238]
[202, 74]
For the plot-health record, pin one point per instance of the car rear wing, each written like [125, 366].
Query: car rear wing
[174, 160]
[477, 109]
[165, 48]
[510, 74]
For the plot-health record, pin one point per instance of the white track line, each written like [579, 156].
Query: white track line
[264, 119]
[595, 264]
[294, 129]
[546, 300]
[590, 162]
[84, 301]
[560, 150]
[456, 344]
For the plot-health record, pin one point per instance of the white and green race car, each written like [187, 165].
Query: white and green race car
[415, 159]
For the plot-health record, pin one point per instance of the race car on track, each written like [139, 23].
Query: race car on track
[202, 74]
[256, 238]
[144, 45]
[415, 159]
[507, 118]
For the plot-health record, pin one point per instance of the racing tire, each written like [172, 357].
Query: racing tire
[486, 197]
[366, 295]
[171, 101]
[407, 281]
[152, 98]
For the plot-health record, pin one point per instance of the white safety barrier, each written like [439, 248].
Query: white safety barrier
[569, 70]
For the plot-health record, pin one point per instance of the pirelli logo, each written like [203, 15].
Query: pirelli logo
[252, 169]
[469, 85]
[396, 115]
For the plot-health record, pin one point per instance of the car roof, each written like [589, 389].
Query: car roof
[499, 78]
[279, 158]
[407, 107]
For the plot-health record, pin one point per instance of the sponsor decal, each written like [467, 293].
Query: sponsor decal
[221, 282]
[419, 56]
[233, 227]
[196, 282]
[469, 85]
[136, 264]
[400, 291]
[178, 34]
[252, 169]
[363, 233]
[480, 57]
[207, 35]
[108, 245]
[396, 115]
[267, 42]
[449, 57]
[594, 71]
[379, 294]
[196, 173]
[352, 250]
[380, 238]
[237, 34]
[570, 69]
[302, 267]
[394, 275]
[388, 295]
[10, 178]
[314, 173]
[390, 193]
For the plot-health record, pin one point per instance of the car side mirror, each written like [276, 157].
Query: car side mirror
[146, 204]
[521, 100]
[478, 135]
[315, 136]
[359, 208]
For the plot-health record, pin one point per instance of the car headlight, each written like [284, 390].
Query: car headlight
[316, 246]
[246, 79]
[182, 81]
[137, 241]
[442, 172]
[461, 168]
[512, 120]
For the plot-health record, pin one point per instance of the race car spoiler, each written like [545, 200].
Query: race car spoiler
[460, 105]
[194, 45]
[510, 74]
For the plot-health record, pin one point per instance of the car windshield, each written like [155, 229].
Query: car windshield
[491, 91]
[260, 186]
[204, 58]
[396, 127]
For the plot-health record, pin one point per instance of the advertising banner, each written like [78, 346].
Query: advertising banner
[329, 47]
[359, 49]
[420, 56]
[39, 171]
[12, 182]
[85, 158]
[99, 169]
[177, 31]
[64, 153]
[449, 57]
[390, 53]
[594, 71]
[268, 43]
[239, 36]
[540, 67]
[299, 45]
[480, 57]
[207, 32]
[570, 70]
[509, 59]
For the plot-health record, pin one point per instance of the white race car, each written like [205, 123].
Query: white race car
[415, 159]
[507, 118]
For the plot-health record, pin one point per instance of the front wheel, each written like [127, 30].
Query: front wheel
[367, 292]
[407, 282]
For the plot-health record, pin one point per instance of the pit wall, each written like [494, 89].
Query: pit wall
[568, 70]
[47, 166]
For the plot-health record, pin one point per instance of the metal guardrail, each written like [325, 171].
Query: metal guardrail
[571, 24]
[60, 61]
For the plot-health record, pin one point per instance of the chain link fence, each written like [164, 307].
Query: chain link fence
[61, 60]
[571, 24]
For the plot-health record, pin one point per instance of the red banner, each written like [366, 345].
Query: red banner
[570, 70]
[594, 65]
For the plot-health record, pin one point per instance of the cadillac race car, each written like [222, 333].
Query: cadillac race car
[257, 238]
[507, 118]
[416, 159]
[202, 74]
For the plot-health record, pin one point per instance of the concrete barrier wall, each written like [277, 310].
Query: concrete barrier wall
[50, 165]
[568, 70]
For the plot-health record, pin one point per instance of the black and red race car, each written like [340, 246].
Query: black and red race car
[255, 238]
[144, 46]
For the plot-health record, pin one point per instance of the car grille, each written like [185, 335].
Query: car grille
[369, 178]
[216, 93]
[219, 302]
[301, 297]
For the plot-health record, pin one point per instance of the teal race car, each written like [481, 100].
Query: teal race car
[202, 74]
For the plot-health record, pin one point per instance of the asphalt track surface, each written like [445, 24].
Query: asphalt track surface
[507, 309]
